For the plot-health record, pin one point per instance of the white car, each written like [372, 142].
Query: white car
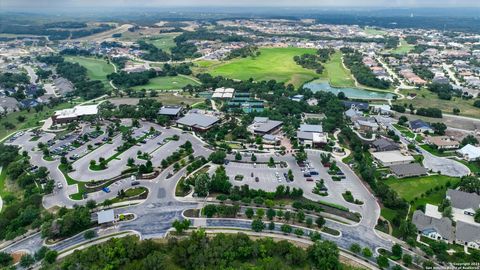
[59, 185]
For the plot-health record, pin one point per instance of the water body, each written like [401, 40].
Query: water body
[350, 92]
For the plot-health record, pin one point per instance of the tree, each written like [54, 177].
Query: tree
[309, 222]
[40, 254]
[271, 162]
[209, 210]
[271, 226]
[315, 236]
[300, 216]
[469, 139]
[324, 255]
[286, 229]
[218, 157]
[367, 252]
[290, 175]
[238, 156]
[180, 226]
[299, 232]
[477, 216]
[428, 265]
[91, 204]
[470, 184]
[407, 229]
[258, 225]
[355, 248]
[201, 185]
[249, 212]
[27, 260]
[397, 251]
[260, 213]
[382, 262]
[320, 221]
[51, 256]
[407, 260]
[5, 259]
[270, 213]
[89, 234]
[253, 158]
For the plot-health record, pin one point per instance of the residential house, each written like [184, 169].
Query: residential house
[383, 109]
[442, 142]
[365, 124]
[469, 152]
[389, 158]
[362, 106]
[467, 234]
[420, 126]
[9, 104]
[437, 228]
[408, 170]
[466, 203]
[383, 144]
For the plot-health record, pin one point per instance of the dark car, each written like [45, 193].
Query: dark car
[226, 162]
[309, 179]
[135, 183]
[313, 172]
[256, 179]
[307, 174]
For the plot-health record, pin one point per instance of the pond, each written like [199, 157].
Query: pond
[350, 92]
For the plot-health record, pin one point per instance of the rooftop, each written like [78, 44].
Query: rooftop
[198, 120]
[106, 216]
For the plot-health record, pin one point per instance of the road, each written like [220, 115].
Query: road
[155, 215]
[31, 73]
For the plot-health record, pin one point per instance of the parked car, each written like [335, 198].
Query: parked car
[256, 179]
[59, 185]
[307, 174]
[226, 162]
[106, 190]
[309, 179]
[313, 172]
[135, 183]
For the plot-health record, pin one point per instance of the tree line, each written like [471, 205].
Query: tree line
[363, 74]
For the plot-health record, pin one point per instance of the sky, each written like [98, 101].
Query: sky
[33, 4]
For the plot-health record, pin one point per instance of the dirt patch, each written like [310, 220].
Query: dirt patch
[17, 255]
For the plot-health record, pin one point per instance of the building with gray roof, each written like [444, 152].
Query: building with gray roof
[384, 144]
[408, 170]
[171, 110]
[105, 216]
[9, 104]
[468, 202]
[434, 228]
[263, 125]
[198, 121]
[310, 128]
[63, 86]
[467, 234]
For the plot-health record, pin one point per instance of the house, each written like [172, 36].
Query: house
[384, 144]
[420, 126]
[352, 113]
[105, 216]
[9, 104]
[362, 106]
[63, 86]
[408, 170]
[172, 111]
[383, 109]
[263, 125]
[366, 124]
[466, 203]
[197, 121]
[297, 98]
[442, 142]
[389, 158]
[312, 139]
[469, 152]
[311, 128]
[74, 114]
[437, 228]
[467, 234]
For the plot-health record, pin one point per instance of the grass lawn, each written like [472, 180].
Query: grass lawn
[272, 64]
[97, 69]
[374, 31]
[402, 48]
[427, 99]
[172, 99]
[405, 131]
[32, 119]
[164, 42]
[167, 83]
[410, 188]
[71, 181]
[436, 152]
[337, 75]
[3, 178]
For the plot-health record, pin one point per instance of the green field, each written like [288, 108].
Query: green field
[164, 42]
[373, 31]
[426, 99]
[272, 64]
[32, 119]
[97, 69]
[337, 75]
[402, 48]
[167, 83]
[410, 188]
[405, 131]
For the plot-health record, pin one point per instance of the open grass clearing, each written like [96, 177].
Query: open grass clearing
[167, 83]
[403, 48]
[434, 151]
[427, 99]
[414, 187]
[336, 73]
[272, 64]
[32, 119]
[374, 31]
[164, 41]
[405, 131]
[97, 68]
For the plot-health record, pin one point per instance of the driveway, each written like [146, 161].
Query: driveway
[443, 165]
